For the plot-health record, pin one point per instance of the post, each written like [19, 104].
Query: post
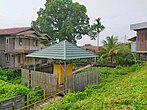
[97, 39]
[35, 106]
[28, 101]
[44, 93]
[64, 74]
[34, 64]
[54, 95]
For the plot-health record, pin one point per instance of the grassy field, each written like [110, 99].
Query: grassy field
[126, 90]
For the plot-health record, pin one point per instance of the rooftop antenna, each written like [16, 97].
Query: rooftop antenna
[125, 38]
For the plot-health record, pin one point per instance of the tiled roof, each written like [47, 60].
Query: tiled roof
[92, 48]
[14, 30]
[26, 32]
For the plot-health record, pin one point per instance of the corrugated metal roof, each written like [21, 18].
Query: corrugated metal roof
[138, 26]
[63, 51]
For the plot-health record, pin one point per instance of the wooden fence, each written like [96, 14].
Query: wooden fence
[13, 103]
[78, 82]
[40, 79]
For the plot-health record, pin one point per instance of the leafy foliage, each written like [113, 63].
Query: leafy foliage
[116, 93]
[10, 75]
[112, 48]
[96, 28]
[8, 90]
[62, 19]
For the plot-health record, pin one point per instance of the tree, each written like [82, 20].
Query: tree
[111, 48]
[95, 30]
[62, 19]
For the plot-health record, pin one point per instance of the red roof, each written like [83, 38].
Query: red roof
[92, 48]
[26, 32]
[13, 30]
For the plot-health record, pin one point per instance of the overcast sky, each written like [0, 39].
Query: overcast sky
[116, 15]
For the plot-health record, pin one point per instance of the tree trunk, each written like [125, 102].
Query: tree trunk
[111, 57]
[97, 40]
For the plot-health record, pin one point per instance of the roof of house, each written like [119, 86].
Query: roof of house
[91, 48]
[62, 51]
[22, 31]
[14, 30]
[138, 26]
[132, 39]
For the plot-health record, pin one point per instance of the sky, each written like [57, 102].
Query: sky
[116, 15]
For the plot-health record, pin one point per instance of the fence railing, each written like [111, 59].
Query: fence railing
[12, 103]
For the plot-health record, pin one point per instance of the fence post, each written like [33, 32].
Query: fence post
[54, 96]
[28, 101]
[14, 104]
[1, 106]
[68, 90]
[35, 106]
[44, 94]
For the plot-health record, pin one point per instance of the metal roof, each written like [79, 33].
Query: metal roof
[138, 26]
[63, 51]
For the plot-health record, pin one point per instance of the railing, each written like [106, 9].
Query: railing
[45, 98]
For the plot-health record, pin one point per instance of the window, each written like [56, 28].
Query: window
[35, 43]
[7, 40]
[7, 56]
[20, 41]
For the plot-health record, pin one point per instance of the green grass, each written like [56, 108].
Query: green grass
[121, 90]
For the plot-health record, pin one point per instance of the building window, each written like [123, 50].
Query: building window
[35, 43]
[7, 56]
[7, 40]
[20, 41]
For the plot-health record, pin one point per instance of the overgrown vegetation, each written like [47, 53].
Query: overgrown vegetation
[115, 53]
[10, 85]
[127, 91]
[10, 75]
[8, 90]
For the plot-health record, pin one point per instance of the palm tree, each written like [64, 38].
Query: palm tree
[96, 28]
[111, 47]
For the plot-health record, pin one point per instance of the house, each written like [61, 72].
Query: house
[15, 43]
[139, 42]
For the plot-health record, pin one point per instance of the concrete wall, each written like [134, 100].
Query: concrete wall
[7, 63]
[2, 43]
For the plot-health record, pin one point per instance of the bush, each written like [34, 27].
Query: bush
[8, 90]
[10, 75]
